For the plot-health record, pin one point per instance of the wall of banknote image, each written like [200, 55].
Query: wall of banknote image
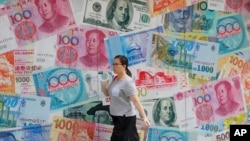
[54, 55]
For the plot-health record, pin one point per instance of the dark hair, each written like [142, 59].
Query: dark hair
[124, 61]
[99, 32]
[111, 10]
[51, 1]
[6, 134]
[226, 83]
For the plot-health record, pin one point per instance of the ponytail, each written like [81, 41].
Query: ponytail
[128, 72]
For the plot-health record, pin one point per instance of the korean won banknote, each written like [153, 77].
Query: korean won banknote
[64, 86]
[32, 21]
[101, 13]
[180, 54]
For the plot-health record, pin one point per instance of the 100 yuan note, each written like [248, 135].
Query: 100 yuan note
[208, 96]
[65, 86]
[30, 23]
[101, 13]
[188, 55]
[75, 48]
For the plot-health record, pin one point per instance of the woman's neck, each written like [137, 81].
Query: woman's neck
[121, 76]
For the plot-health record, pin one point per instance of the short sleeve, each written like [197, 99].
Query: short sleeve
[130, 88]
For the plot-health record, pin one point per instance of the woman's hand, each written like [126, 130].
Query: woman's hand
[146, 121]
[104, 87]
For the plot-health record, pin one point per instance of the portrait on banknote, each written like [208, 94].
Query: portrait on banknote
[226, 103]
[179, 20]
[95, 57]
[119, 14]
[52, 19]
[164, 112]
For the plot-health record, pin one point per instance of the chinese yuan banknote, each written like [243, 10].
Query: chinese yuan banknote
[71, 129]
[9, 107]
[133, 45]
[216, 100]
[29, 133]
[152, 82]
[100, 13]
[29, 20]
[64, 86]
[24, 67]
[83, 48]
[28, 116]
[231, 33]
[7, 37]
[180, 54]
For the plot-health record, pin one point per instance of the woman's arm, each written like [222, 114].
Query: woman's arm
[104, 87]
[139, 107]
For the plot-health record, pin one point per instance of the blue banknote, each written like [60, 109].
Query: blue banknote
[133, 45]
[167, 134]
[29, 133]
[30, 110]
[231, 33]
[64, 86]
[9, 110]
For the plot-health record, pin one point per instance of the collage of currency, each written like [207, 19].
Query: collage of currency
[191, 56]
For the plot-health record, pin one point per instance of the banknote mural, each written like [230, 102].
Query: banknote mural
[189, 60]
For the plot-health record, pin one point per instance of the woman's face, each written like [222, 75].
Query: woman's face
[117, 66]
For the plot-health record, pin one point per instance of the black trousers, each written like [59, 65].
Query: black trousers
[124, 129]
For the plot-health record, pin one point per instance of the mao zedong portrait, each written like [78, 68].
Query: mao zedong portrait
[95, 57]
[164, 113]
[52, 20]
[119, 14]
[224, 96]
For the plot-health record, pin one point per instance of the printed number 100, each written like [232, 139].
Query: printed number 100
[205, 69]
